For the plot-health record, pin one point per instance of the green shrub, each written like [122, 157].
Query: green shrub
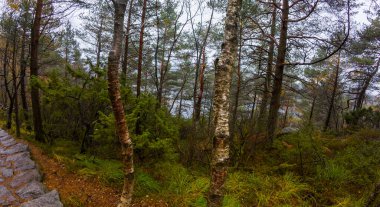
[250, 189]
[334, 172]
[145, 184]
[179, 186]
[363, 118]
[367, 134]
[159, 130]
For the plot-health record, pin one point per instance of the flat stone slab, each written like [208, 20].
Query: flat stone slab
[19, 147]
[50, 199]
[8, 142]
[20, 155]
[25, 177]
[6, 197]
[6, 172]
[20, 181]
[24, 164]
[31, 190]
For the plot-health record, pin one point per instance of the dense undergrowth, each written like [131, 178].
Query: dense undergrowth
[307, 168]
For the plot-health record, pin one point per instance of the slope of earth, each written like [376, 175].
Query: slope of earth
[78, 190]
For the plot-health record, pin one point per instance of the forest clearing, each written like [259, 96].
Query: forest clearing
[183, 103]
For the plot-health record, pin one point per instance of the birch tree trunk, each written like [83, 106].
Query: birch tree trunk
[117, 105]
[223, 69]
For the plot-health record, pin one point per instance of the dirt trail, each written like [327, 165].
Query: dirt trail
[74, 189]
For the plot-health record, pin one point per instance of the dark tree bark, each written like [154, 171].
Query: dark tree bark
[285, 116]
[238, 85]
[280, 65]
[224, 67]
[99, 45]
[23, 64]
[363, 89]
[333, 94]
[180, 105]
[141, 45]
[312, 109]
[35, 95]
[6, 86]
[139, 65]
[268, 77]
[117, 105]
[162, 74]
[15, 85]
[124, 67]
[252, 115]
[199, 67]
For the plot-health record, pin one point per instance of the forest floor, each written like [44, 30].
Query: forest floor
[303, 169]
[79, 190]
[74, 189]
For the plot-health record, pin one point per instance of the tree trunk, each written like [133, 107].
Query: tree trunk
[9, 113]
[99, 42]
[312, 110]
[117, 105]
[22, 77]
[201, 68]
[141, 45]
[6, 86]
[156, 56]
[224, 67]
[333, 94]
[367, 82]
[280, 65]
[238, 84]
[252, 115]
[285, 116]
[180, 105]
[35, 37]
[162, 73]
[198, 104]
[15, 85]
[268, 77]
[139, 66]
[126, 48]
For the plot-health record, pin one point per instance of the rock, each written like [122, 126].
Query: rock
[22, 179]
[50, 199]
[5, 138]
[17, 156]
[6, 172]
[4, 163]
[6, 197]
[3, 134]
[25, 177]
[31, 190]
[19, 147]
[8, 142]
[24, 163]
[288, 130]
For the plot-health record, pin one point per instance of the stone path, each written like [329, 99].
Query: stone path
[20, 180]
